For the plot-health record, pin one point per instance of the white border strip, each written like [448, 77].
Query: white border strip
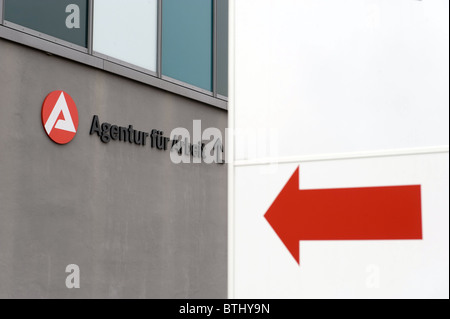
[342, 156]
[230, 147]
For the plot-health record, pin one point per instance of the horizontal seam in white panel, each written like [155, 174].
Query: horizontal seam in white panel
[343, 156]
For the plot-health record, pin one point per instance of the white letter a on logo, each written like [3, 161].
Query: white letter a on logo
[65, 124]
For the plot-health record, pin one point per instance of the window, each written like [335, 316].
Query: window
[187, 41]
[165, 43]
[62, 19]
[127, 30]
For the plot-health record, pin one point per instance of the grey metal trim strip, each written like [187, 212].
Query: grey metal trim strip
[44, 36]
[123, 63]
[163, 84]
[225, 98]
[50, 47]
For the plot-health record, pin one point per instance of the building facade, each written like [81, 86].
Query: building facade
[112, 217]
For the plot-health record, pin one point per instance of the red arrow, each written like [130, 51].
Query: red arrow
[370, 213]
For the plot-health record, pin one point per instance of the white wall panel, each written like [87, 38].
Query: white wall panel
[342, 76]
[342, 269]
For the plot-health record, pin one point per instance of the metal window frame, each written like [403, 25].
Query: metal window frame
[187, 85]
[159, 41]
[222, 97]
[44, 36]
[16, 33]
[49, 47]
[1, 11]
[215, 49]
[123, 63]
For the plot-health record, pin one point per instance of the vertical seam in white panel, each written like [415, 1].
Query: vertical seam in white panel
[230, 151]
[344, 156]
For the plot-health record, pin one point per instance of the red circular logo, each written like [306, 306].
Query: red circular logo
[60, 117]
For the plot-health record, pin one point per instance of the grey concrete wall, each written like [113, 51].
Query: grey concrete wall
[137, 225]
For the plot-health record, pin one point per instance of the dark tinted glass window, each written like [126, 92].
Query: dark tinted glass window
[63, 19]
[187, 41]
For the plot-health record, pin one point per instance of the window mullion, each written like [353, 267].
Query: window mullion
[159, 44]
[90, 27]
[1, 11]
